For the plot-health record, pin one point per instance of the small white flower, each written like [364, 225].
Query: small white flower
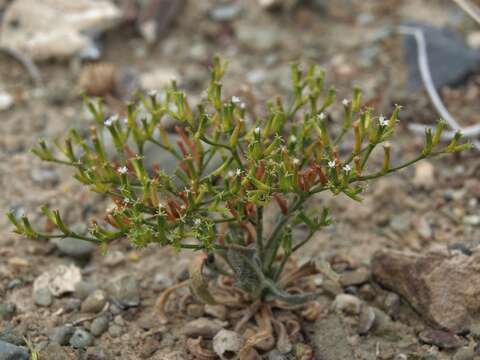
[125, 120]
[187, 190]
[236, 100]
[242, 105]
[296, 161]
[238, 172]
[257, 130]
[109, 121]
[153, 93]
[332, 164]
[230, 174]
[197, 222]
[122, 170]
[321, 116]
[126, 201]
[347, 168]
[345, 102]
[383, 121]
[293, 138]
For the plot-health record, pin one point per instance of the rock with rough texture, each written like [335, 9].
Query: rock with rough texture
[99, 326]
[444, 290]
[81, 339]
[442, 339]
[126, 291]
[59, 280]
[330, 339]
[45, 29]
[227, 343]
[75, 248]
[61, 335]
[42, 297]
[12, 352]
[95, 302]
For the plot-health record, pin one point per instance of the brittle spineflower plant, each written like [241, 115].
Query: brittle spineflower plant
[280, 160]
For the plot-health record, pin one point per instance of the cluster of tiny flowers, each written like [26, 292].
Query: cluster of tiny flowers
[321, 116]
[347, 168]
[332, 164]
[122, 169]
[109, 121]
[383, 121]
[345, 102]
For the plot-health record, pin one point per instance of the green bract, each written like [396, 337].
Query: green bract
[230, 167]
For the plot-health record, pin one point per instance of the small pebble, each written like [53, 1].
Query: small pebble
[126, 291]
[149, 347]
[75, 248]
[7, 310]
[348, 304]
[12, 352]
[225, 12]
[6, 101]
[442, 339]
[83, 289]
[391, 304]
[43, 297]
[366, 320]
[115, 330]
[81, 339]
[99, 326]
[466, 353]
[227, 343]
[61, 334]
[95, 302]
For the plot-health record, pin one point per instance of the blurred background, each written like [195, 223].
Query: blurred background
[53, 50]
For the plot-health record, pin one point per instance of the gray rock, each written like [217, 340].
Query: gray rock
[330, 339]
[99, 326]
[72, 305]
[442, 339]
[125, 291]
[81, 339]
[115, 330]
[443, 289]
[95, 302]
[61, 334]
[12, 352]
[392, 303]
[83, 289]
[7, 310]
[75, 248]
[450, 60]
[54, 351]
[43, 297]
[225, 12]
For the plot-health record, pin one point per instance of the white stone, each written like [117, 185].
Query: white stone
[45, 29]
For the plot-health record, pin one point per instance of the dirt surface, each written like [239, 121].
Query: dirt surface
[354, 45]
